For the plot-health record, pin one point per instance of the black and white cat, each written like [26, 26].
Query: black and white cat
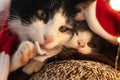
[84, 40]
[86, 45]
[47, 22]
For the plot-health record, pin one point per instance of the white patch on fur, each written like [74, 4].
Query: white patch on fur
[24, 52]
[4, 65]
[85, 37]
[53, 29]
[33, 31]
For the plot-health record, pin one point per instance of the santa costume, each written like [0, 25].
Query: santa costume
[8, 41]
[4, 4]
[8, 44]
[101, 18]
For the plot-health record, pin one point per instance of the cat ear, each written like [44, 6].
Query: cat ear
[81, 6]
[103, 20]
[4, 4]
[80, 16]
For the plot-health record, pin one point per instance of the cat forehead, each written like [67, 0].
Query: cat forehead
[29, 7]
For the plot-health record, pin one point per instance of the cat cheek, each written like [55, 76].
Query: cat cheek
[37, 37]
[85, 50]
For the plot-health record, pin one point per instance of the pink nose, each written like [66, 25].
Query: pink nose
[81, 44]
[48, 39]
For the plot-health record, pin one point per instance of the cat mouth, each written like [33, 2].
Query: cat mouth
[40, 47]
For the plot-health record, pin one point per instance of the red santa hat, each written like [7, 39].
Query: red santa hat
[8, 44]
[103, 20]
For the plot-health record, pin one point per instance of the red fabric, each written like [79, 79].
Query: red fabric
[108, 18]
[8, 41]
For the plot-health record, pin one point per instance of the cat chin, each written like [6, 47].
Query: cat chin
[87, 51]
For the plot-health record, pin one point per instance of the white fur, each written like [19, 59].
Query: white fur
[4, 65]
[4, 4]
[53, 29]
[33, 31]
[24, 53]
[82, 37]
[38, 48]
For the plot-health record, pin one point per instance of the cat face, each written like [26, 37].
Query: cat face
[45, 21]
[85, 41]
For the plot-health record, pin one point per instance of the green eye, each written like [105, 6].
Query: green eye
[63, 29]
[91, 44]
[41, 14]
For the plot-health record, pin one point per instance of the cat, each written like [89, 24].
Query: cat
[86, 45]
[84, 40]
[47, 22]
[41, 21]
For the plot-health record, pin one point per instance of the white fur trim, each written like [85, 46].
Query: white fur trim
[4, 66]
[90, 16]
[4, 4]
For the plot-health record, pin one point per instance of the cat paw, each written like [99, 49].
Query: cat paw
[25, 52]
[32, 66]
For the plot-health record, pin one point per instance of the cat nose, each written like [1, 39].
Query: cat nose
[48, 39]
[81, 44]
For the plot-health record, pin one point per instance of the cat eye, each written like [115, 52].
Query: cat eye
[41, 14]
[91, 44]
[63, 29]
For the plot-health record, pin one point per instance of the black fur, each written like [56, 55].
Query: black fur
[27, 9]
